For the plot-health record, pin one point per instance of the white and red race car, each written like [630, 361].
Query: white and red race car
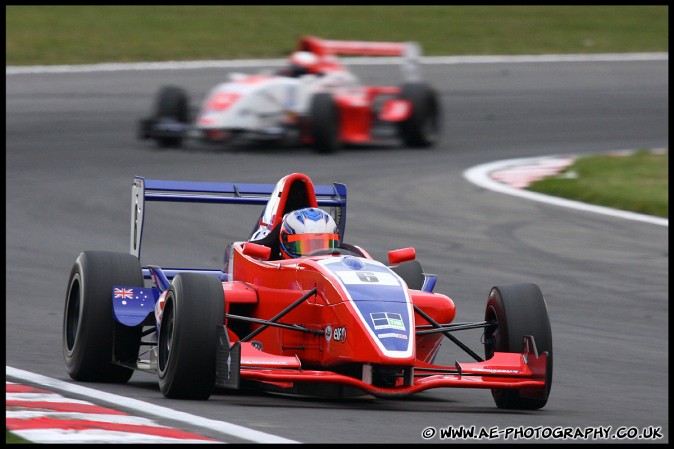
[313, 101]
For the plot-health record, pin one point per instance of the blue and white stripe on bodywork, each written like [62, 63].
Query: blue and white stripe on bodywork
[381, 300]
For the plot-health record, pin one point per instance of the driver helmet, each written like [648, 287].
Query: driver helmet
[306, 230]
[303, 63]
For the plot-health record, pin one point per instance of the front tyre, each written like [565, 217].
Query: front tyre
[92, 339]
[172, 106]
[325, 124]
[188, 338]
[411, 272]
[518, 310]
[422, 127]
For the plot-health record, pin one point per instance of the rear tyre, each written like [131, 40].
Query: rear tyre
[325, 125]
[172, 104]
[90, 333]
[188, 336]
[422, 128]
[518, 310]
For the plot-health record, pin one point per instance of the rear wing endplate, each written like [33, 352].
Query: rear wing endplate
[143, 190]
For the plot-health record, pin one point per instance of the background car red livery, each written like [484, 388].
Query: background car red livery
[314, 100]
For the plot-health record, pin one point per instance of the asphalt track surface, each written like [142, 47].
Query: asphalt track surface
[72, 152]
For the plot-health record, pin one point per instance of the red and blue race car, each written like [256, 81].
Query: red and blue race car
[313, 101]
[332, 322]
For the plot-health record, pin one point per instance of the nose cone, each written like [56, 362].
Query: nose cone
[379, 300]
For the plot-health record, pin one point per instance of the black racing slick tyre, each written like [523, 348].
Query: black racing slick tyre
[411, 272]
[92, 339]
[518, 310]
[172, 104]
[188, 339]
[325, 123]
[422, 127]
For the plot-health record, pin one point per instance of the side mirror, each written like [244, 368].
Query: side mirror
[397, 256]
[257, 251]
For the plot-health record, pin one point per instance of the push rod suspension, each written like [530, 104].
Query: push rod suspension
[422, 330]
[447, 334]
[280, 314]
[294, 327]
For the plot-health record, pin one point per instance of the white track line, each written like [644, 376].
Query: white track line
[39, 416]
[482, 175]
[426, 60]
[148, 409]
[97, 436]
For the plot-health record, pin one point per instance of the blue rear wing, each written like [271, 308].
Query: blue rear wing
[331, 197]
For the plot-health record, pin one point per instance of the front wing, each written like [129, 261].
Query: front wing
[523, 371]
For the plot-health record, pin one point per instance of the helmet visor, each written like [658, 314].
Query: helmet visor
[302, 244]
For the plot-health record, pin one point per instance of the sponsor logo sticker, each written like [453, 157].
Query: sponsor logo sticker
[387, 320]
[338, 334]
[393, 335]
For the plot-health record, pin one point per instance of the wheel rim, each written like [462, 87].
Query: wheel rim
[72, 315]
[166, 338]
[492, 335]
[493, 343]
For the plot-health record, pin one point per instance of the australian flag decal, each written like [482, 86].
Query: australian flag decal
[132, 305]
[123, 293]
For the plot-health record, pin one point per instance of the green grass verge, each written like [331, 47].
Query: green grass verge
[638, 182]
[11, 438]
[126, 33]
